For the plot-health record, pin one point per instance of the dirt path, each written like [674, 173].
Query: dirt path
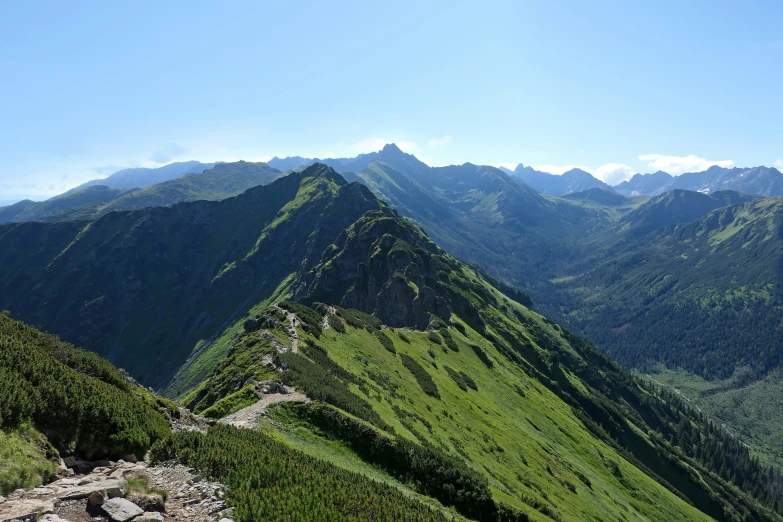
[249, 417]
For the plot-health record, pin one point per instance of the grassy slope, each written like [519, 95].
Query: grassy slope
[24, 462]
[75, 399]
[300, 435]
[569, 383]
[147, 289]
[513, 430]
[94, 196]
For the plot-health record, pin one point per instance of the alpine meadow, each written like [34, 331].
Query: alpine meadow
[265, 263]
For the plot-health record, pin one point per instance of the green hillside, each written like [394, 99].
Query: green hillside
[551, 427]
[430, 378]
[61, 206]
[222, 181]
[56, 398]
[146, 289]
[627, 276]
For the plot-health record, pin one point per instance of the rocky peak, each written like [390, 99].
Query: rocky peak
[383, 265]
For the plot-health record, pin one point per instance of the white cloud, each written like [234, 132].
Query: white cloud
[557, 170]
[613, 173]
[679, 164]
[509, 166]
[779, 163]
[437, 142]
[406, 146]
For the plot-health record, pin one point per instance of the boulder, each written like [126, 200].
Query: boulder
[109, 487]
[130, 458]
[69, 462]
[96, 499]
[121, 510]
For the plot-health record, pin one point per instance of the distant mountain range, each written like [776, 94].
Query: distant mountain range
[144, 177]
[220, 181]
[765, 181]
[684, 280]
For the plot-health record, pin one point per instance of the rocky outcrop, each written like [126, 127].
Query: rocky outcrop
[100, 495]
[386, 266]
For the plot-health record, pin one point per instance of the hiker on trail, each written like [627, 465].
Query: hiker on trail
[285, 366]
[277, 360]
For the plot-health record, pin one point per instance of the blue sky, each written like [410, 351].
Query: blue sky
[617, 87]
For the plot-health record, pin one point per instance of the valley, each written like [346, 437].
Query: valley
[393, 346]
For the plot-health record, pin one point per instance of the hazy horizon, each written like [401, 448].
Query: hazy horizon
[611, 88]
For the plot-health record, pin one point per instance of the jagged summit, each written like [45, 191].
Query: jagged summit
[391, 148]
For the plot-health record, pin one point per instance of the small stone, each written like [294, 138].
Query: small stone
[149, 516]
[130, 458]
[121, 510]
[191, 501]
[96, 499]
[69, 462]
[226, 520]
[2, 499]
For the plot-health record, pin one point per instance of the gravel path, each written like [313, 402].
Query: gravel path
[250, 416]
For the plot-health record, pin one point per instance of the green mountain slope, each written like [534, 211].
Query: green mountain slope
[55, 398]
[59, 207]
[144, 177]
[466, 399]
[702, 296]
[483, 215]
[615, 273]
[222, 181]
[679, 206]
[147, 288]
[554, 429]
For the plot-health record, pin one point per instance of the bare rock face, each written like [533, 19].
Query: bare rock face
[149, 516]
[121, 510]
[385, 266]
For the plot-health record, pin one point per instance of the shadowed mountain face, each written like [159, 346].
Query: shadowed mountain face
[575, 180]
[144, 288]
[680, 206]
[644, 184]
[598, 196]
